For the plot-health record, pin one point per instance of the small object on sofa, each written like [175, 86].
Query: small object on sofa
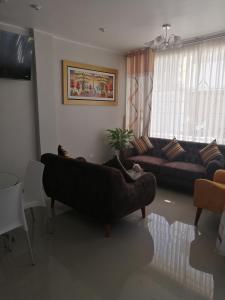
[173, 149]
[137, 168]
[136, 171]
[135, 175]
[95, 190]
[142, 144]
[117, 164]
[210, 152]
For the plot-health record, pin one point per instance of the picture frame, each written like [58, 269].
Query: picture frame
[85, 84]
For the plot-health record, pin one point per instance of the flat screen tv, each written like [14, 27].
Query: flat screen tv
[16, 52]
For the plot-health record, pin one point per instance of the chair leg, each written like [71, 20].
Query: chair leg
[108, 228]
[7, 241]
[52, 203]
[197, 216]
[32, 214]
[30, 248]
[51, 218]
[143, 212]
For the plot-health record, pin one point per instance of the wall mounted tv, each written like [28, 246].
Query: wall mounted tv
[16, 52]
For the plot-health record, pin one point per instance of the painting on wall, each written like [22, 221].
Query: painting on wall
[89, 84]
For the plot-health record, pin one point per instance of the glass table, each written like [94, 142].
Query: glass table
[7, 180]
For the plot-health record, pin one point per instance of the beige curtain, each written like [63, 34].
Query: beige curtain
[188, 99]
[140, 66]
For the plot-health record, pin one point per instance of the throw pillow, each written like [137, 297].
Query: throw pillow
[116, 163]
[142, 144]
[62, 152]
[210, 152]
[173, 149]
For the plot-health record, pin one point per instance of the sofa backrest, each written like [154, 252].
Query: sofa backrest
[84, 186]
[191, 149]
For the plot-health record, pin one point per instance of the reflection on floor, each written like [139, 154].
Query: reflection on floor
[172, 254]
[161, 257]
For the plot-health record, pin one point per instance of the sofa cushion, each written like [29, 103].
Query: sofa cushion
[148, 163]
[210, 152]
[142, 144]
[183, 170]
[62, 152]
[173, 149]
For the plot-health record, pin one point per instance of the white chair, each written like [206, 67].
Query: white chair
[33, 192]
[12, 212]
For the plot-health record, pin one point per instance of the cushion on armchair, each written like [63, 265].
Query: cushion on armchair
[62, 152]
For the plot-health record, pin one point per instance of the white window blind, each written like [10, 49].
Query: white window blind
[188, 99]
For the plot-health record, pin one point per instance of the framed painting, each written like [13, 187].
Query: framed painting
[88, 84]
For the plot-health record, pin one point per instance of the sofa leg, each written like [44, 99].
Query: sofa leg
[108, 228]
[197, 216]
[52, 203]
[143, 212]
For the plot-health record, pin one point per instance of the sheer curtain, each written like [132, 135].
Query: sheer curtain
[188, 99]
[139, 91]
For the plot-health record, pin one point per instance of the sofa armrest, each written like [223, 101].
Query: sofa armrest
[144, 188]
[144, 180]
[129, 197]
[219, 176]
[212, 167]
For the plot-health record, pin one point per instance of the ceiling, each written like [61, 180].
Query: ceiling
[128, 23]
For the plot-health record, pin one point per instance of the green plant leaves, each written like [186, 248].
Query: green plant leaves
[119, 138]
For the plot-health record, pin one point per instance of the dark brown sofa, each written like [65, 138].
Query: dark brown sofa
[179, 174]
[98, 191]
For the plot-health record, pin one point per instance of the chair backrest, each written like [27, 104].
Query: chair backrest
[33, 186]
[11, 209]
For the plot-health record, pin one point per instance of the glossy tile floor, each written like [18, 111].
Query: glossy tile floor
[161, 257]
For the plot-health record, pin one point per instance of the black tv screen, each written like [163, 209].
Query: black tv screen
[16, 52]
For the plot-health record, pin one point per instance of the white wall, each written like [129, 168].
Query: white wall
[81, 129]
[18, 142]
[44, 60]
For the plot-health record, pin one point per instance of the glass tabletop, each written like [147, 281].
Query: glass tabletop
[7, 180]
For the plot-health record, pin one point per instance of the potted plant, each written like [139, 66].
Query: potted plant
[119, 139]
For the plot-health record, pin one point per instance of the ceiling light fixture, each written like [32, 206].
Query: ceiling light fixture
[165, 41]
[36, 6]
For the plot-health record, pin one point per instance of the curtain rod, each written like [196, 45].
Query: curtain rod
[189, 41]
[203, 38]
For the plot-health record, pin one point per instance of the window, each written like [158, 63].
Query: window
[188, 99]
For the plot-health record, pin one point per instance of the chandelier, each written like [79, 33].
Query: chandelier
[165, 41]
